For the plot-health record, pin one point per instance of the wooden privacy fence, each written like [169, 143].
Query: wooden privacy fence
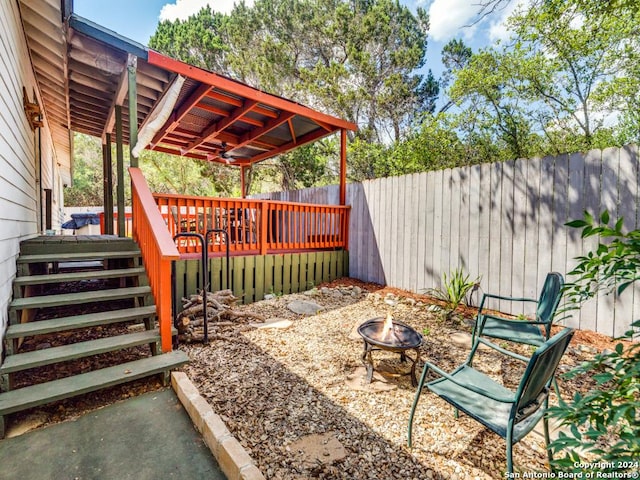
[255, 226]
[502, 222]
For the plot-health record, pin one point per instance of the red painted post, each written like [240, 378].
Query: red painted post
[343, 167]
[264, 226]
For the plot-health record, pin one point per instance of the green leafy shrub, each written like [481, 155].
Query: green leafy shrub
[454, 290]
[604, 424]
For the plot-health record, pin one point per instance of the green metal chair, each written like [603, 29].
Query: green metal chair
[512, 415]
[530, 332]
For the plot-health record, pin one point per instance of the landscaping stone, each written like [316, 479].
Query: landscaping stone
[463, 339]
[304, 307]
[280, 323]
[317, 449]
[358, 381]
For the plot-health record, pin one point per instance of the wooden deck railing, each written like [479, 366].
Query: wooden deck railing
[255, 226]
[128, 223]
[158, 250]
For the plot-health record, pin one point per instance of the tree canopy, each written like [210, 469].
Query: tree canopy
[354, 59]
[567, 79]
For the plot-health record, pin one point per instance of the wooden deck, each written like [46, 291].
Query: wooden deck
[254, 227]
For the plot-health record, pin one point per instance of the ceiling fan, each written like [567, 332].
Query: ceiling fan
[230, 157]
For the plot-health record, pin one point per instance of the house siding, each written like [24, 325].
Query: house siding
[19, 189]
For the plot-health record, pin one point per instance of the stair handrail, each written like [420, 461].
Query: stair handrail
[157, 248]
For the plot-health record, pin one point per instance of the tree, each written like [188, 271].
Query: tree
[87, 188]
[568, 58]
[353, 59]
[171, 174]
[455, 56]
[566, 81]
[432, 145]
[197, 40]
[493, 102]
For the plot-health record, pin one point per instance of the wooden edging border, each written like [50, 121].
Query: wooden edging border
[233, 459]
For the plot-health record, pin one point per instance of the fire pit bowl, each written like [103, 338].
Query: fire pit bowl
[393, 336]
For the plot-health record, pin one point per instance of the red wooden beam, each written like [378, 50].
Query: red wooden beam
[224, 113]
[343, 167]
[176, 152]
[243, 90]
[221, 97]
[252, 135]
[251, 121]
[266, 112]
[213, 130]
[229, 138]
[212, 109]
[292, 130]
[309, 137]
[185, 107]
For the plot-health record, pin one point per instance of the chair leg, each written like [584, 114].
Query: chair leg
[509, 441]
[415, 403]
[545, 424]
[547, 441]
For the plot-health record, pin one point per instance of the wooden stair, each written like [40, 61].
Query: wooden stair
[74, 298]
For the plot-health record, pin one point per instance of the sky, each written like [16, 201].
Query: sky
[137, 20]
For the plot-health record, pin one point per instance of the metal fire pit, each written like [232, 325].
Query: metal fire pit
[401, 338]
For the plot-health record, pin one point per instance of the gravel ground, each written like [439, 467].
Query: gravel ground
[278, 389]
[288, 394]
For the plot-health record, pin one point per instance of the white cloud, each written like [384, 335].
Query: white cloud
[183, 9]
[449, 18]
[498, 29]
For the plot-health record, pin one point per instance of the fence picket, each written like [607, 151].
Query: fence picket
[504, 222]
[519, 228]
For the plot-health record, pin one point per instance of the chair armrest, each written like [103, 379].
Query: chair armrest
[502, 297]
[513, 299]
[513, 320]
[473, 388]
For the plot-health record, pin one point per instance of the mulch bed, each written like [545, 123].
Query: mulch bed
[277, 387]
[281, 389]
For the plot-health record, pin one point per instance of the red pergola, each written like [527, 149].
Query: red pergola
[219, 119]
[94, 81]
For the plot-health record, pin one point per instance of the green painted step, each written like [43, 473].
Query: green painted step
[24, 398]
[78, 276]
[75, 243]
[45, 301]
[77, 256]
[47, 356]
[79, 321]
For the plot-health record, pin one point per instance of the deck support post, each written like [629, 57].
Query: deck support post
[265, 212]
[132, 64]
[243, 181]
[120, 172]
[107, 171]
[343, 167]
